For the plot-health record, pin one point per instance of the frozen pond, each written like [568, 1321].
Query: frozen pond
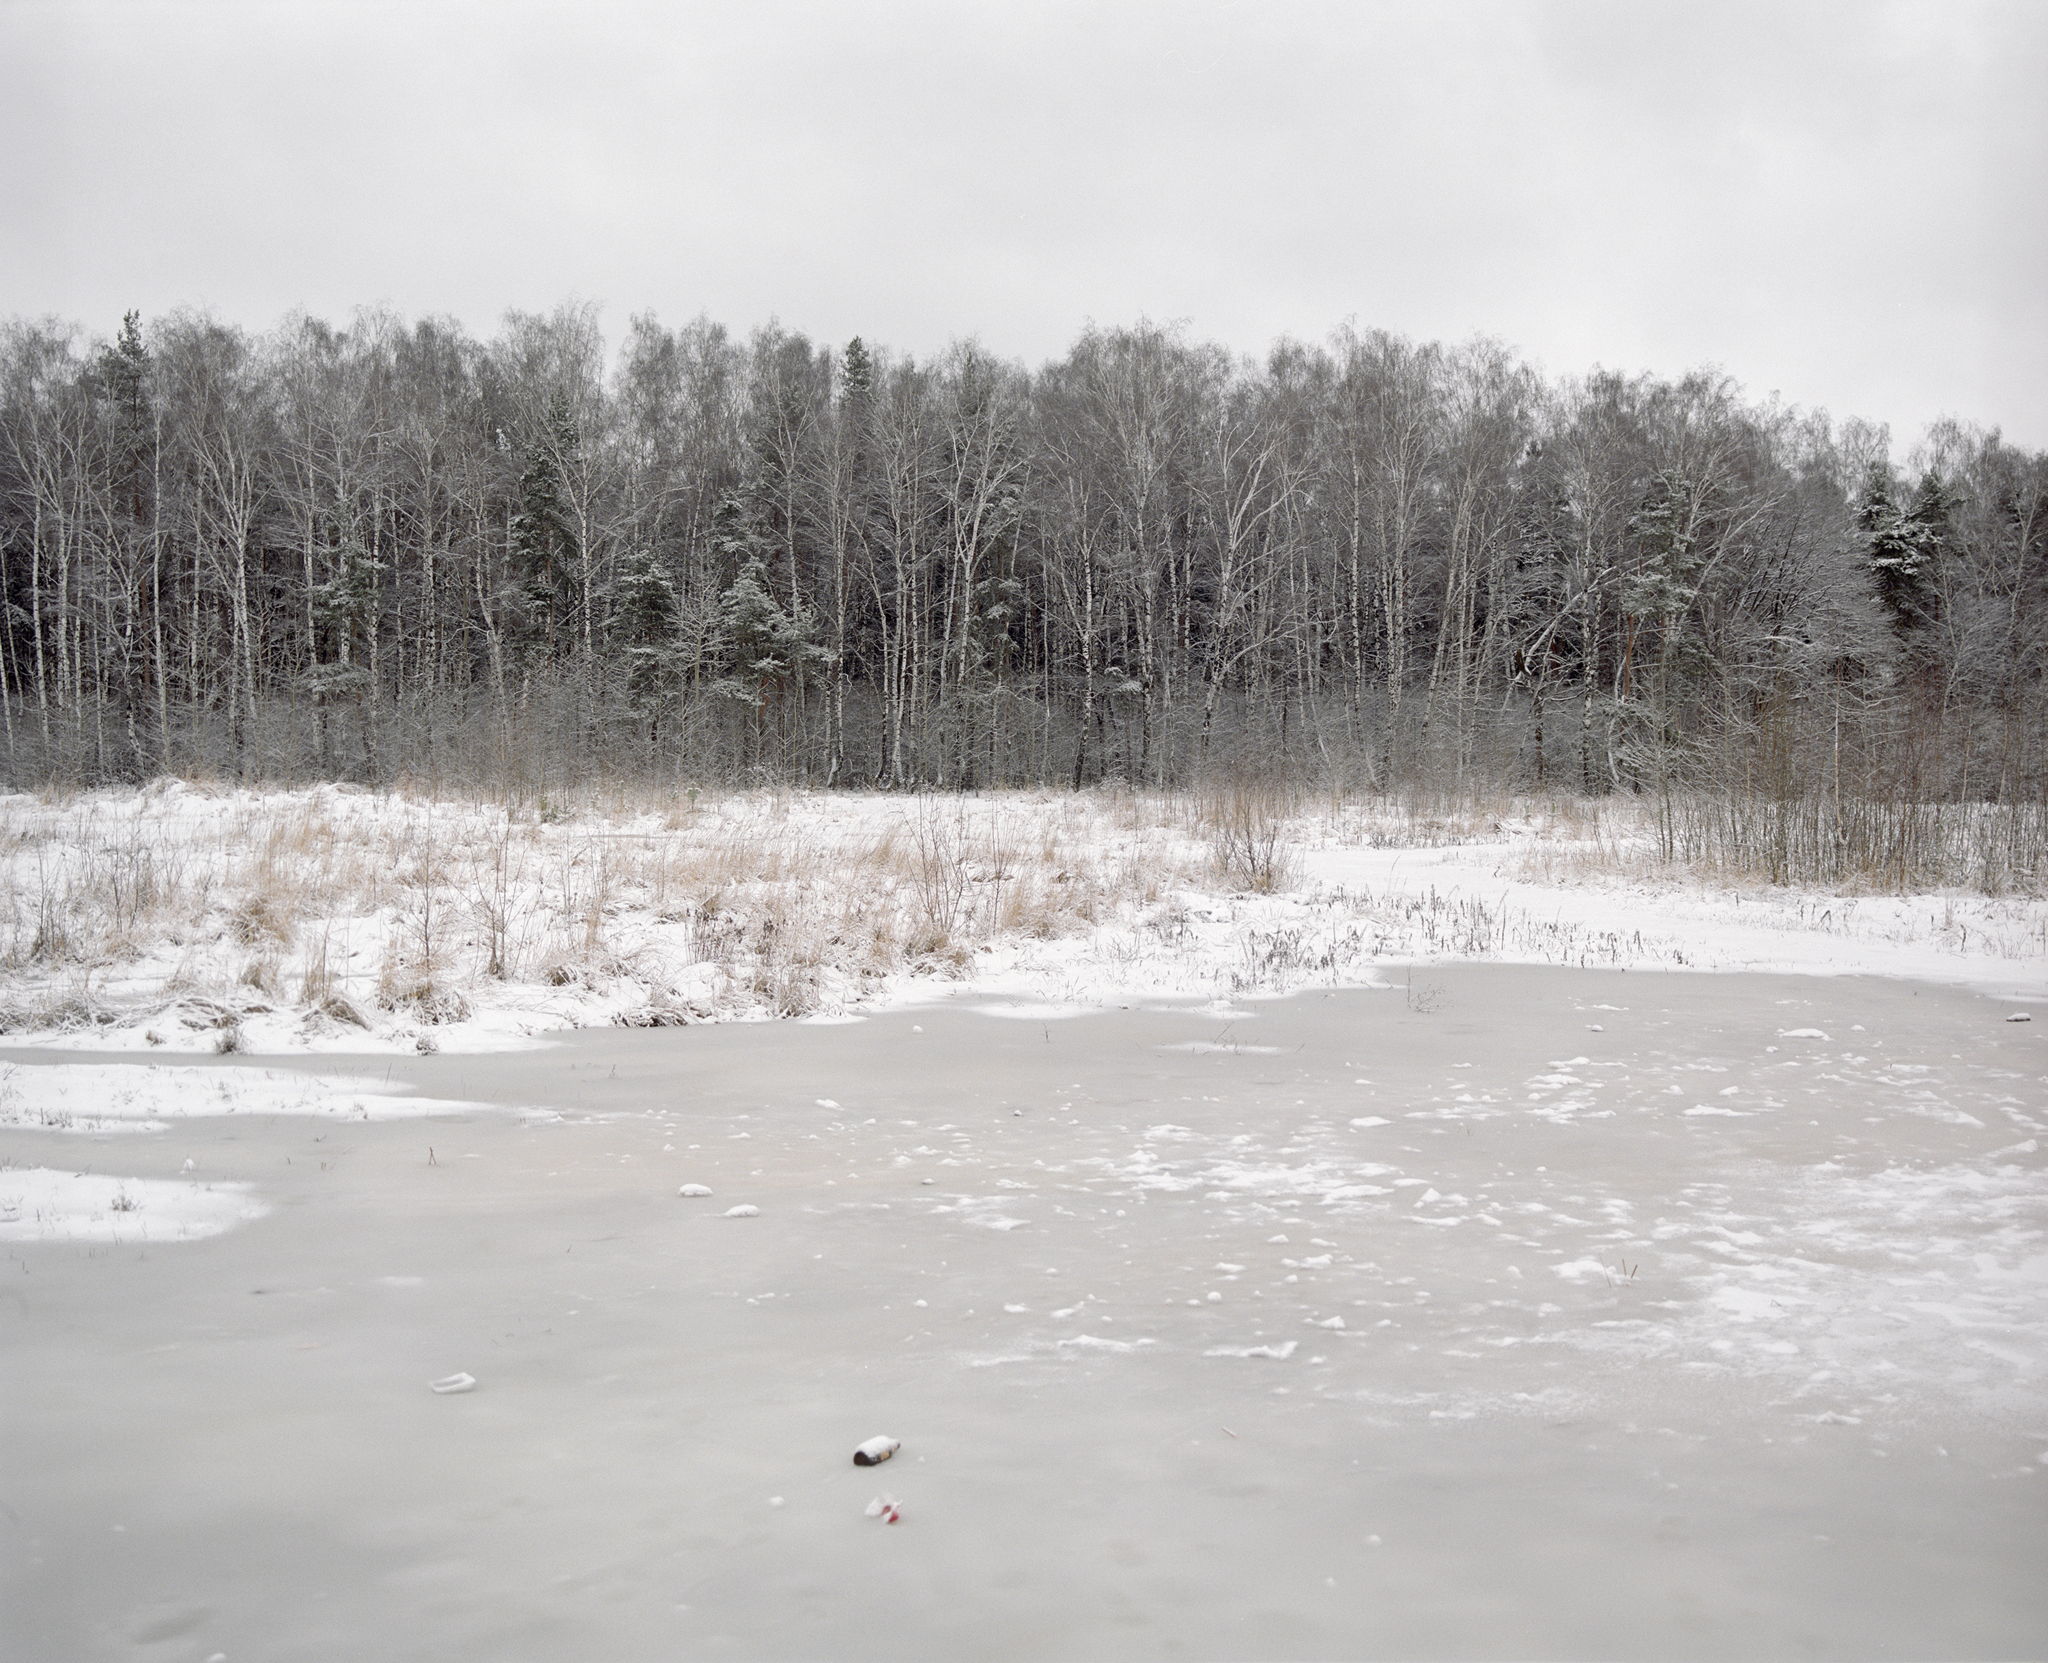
[1508, 1313]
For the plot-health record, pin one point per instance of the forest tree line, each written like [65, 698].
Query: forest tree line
[397, 550]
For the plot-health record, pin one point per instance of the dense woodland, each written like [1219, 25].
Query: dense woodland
[395, 550]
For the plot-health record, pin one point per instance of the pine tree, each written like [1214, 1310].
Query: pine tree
[123, 368]
[120, 374]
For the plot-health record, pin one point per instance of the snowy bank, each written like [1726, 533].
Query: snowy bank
[336, 919]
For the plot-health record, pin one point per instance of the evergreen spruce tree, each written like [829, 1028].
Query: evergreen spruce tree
[1928, 524]
[736, 536]
[644, 619]
[1656, 598]
[765, 650]
[545, 547]
[856, 373]
[342, 608]
[1537, 617]
[765, 647]
[1896, 551]
[1667, 571]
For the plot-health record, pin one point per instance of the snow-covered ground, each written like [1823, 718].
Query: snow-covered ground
[1996, 945]
[336, 919]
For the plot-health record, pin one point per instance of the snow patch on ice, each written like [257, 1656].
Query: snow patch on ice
[1277, 1353]
[145, 1097]
[38, 1204]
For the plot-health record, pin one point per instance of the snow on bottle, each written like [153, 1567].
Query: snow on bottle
[876, 1450]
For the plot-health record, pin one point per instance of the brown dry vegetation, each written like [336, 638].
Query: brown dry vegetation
[273, 897]
[360, 910]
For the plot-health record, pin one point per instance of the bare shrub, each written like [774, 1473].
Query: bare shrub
[53, 941]
[493, 900]
[939, 886]
[1248, 837]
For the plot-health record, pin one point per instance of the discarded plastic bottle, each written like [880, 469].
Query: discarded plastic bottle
[876, 1450]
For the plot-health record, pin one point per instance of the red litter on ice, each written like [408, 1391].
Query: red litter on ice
[886, 1509]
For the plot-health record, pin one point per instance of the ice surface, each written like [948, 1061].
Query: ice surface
[1793, 1356]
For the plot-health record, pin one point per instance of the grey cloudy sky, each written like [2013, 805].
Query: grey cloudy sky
[1839, 202]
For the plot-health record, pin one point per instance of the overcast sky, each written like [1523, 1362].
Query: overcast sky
[1843, 203]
